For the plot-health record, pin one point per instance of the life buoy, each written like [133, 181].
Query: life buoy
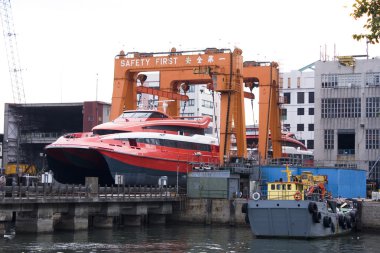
[256, 196]
[297, 196]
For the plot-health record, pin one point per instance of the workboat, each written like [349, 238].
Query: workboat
[299, 208]
[140, 147]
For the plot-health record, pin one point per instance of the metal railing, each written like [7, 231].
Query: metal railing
[78, 192]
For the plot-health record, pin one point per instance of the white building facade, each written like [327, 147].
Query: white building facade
[297, 111]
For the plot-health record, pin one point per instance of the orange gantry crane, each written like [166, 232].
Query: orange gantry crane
[221, 69]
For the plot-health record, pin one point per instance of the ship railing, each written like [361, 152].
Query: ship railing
[290, 195]
[62, 192]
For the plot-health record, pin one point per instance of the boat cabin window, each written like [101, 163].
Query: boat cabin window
[175, 144]
[108, 131]
[183, 129]
[133, 142]
[278, 187]
[143, 114]
[289, 186]
[272, 187]
[283, 187]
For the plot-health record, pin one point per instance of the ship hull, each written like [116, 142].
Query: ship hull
[146, 170]
[72, 165]
[295, 219]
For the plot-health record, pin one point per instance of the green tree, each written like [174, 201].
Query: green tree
[371, 10]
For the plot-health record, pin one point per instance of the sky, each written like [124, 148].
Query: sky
[67, 47]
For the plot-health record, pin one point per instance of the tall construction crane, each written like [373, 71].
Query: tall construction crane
[12, 52]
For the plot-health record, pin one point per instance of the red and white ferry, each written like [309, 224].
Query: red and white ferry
[143, 146]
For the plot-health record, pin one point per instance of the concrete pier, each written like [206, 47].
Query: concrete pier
[46, 209]
[36, 220]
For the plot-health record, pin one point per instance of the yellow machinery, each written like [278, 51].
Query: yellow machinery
[11, 169]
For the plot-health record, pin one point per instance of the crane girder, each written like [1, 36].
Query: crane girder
[219, 67]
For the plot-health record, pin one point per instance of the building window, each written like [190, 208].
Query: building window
[302, 141]
[281, 82]
[329, 138]
[191, 89]
[300, 127]
[284, 113]
[372, 107]
[341, 108]
[341, 80]
[374, 170]
[298, 82]
[300, 97]
[372, 79]
[300, 111]
[207, 104]
[310, 127]
[329, 80]
[287, 98]
[372, 139]
[310, 144]
[190, 102]
[287, 127]
[311, 111]
[289, 82]
[311, 97]
[187, 114]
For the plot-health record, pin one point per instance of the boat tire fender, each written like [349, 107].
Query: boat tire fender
[326, 221]
[244, 208]
[317, 216]
[342, 220]
[256, 196]
[332, 226]
[353, 216]
[348, 222]
[313, 208]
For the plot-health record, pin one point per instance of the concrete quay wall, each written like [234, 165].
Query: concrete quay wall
[370, 215]
[209, 211]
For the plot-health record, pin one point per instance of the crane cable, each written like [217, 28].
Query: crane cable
[215, 120]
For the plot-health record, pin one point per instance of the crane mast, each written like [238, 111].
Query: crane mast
[12, 52]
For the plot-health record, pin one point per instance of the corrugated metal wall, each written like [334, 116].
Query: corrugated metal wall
[346, 183]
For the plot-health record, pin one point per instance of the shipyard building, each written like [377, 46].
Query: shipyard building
[347, 114]
[28, 128]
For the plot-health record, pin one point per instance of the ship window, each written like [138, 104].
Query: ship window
[283, 187]
[289, 186]
[107, 131]
[278, 186]
[157, 115]
[272, 187]
[185, 130]
[133, 142]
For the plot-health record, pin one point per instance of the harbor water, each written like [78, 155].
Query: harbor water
[184, 238]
